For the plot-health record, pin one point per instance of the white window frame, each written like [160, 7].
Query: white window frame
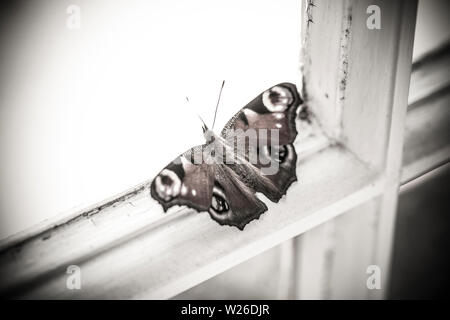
[356, 83]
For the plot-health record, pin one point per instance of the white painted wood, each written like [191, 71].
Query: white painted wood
[40, 255]
[320, 74]
[286, 282]
[333, 257]
[425, 164]
[127, 248]
[388, 207]
[430, 74]
[427, 146]
[342, 63]
[427, 136]
[372, 80]
[314, 249]
[258, 278]
[160, 261]
[424, 178]
[44, 228]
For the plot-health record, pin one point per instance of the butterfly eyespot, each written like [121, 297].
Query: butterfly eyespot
[281, 153]
[167, 185]
[277, 99]
[219, 205]
[278, 153]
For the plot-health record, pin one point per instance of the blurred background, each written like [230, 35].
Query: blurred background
[91, 107]
[88, 111]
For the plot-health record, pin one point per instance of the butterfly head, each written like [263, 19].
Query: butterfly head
[209, 135]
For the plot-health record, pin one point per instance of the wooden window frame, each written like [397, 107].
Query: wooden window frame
[350, 161]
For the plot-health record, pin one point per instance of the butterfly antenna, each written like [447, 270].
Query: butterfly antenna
[217, 106]
[204, 125]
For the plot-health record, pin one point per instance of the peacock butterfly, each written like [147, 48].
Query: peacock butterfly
[253, 153]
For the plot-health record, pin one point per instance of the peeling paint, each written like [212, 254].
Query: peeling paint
[88, 214]
[345, 41]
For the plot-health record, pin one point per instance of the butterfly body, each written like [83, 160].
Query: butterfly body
[253, 154]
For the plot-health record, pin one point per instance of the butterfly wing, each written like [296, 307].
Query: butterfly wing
[213, 187]
[185, 182]
[234, 202]
[274, 109]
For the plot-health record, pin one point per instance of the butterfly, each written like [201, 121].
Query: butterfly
[222, 178]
